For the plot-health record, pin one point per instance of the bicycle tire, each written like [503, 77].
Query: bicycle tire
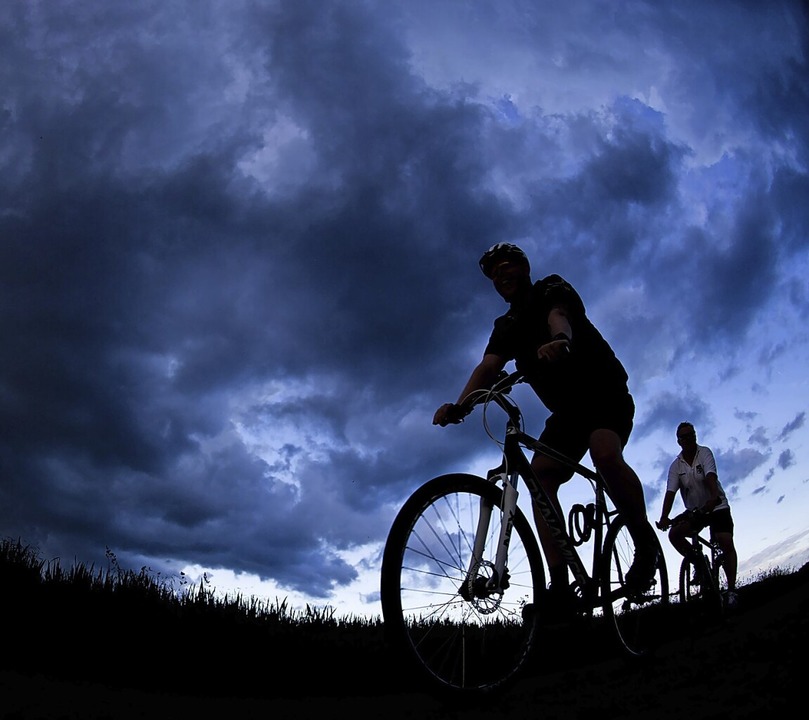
[703, 585]
[637, 621]
[690, 583]
[477, 645]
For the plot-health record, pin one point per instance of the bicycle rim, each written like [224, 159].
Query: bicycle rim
[702, 586]
[476, 644]
[636, 620]
[690, 582]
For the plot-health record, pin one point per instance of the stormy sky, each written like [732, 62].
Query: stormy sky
[239, 245]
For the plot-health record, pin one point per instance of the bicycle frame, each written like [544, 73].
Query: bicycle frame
[714, 562]
[447, 593]
[698, 541]
[716, 551]
[706, 565]
[516, 465]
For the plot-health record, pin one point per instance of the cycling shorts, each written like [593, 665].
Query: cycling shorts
[719, 521]
[568, 431]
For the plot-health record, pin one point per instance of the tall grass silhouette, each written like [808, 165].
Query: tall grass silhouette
[137, 629]
[117, 626]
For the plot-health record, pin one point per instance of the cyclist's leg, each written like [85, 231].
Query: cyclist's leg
[610, 419]
[563, 436]
[721, 523]
[680, 538]
[626, 491]
[624, 485]
[729, 558]
[551, 476]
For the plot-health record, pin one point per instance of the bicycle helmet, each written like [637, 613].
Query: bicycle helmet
[501, 251]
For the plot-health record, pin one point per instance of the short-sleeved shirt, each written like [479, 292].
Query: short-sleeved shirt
[689, 479]
[591, 373]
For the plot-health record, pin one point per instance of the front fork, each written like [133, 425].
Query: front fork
[484, 579]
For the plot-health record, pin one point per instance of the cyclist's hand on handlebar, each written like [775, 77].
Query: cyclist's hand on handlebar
[448, 413]
[690, 517]
[663, 524]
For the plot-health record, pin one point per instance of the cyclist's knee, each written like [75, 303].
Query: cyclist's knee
[725, 541]
[609, 460]
[550, 474]
[606, 451]
[678, 534]
[612, 468]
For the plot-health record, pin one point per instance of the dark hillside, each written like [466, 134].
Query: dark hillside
[73, 655]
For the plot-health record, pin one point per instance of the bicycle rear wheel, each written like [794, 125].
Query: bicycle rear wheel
[636, 619]
[437, 610]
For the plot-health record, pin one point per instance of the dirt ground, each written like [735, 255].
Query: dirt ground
[752, 665]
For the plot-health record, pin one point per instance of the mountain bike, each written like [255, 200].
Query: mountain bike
[702, 576]
[463, 581]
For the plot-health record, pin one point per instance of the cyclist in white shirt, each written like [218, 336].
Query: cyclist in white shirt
[693, 474]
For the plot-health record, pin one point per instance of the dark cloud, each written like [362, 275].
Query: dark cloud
[734, 466]
[759, 437]
[786, 459]
[795, 424]
[238, 249]
[668, 410]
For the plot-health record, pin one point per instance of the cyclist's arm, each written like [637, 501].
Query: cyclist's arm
[668, 502]
[559, 322]
[711, 480]
[561, 333]
[711, 483]
[483, 376]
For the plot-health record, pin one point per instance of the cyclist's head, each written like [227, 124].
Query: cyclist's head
[686, 432]
[500, 252]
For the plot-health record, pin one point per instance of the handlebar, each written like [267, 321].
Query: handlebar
[693, 516]
[496, 393]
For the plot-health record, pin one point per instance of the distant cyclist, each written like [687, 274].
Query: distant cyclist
[693, 473]
[576, 374]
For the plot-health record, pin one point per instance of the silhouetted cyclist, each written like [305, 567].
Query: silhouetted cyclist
[577, 376]
[693, 473]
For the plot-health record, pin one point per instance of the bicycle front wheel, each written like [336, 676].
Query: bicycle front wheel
[440, 605]
[691, 584]
[704, 583]
[637, 619]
